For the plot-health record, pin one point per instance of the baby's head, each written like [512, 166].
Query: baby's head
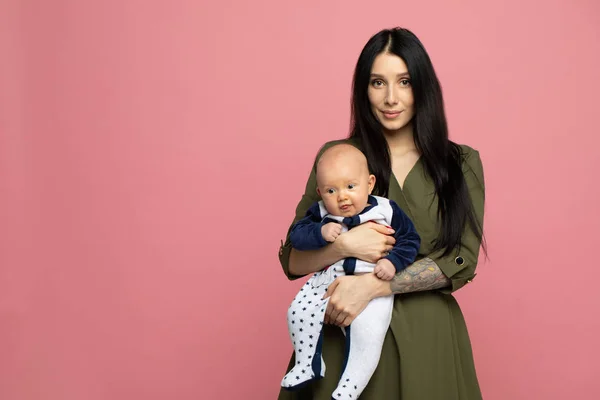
[343, 180]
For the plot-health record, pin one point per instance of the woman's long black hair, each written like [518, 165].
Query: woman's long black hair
[442, 158]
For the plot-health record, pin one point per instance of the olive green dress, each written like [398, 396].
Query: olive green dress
[427, 352]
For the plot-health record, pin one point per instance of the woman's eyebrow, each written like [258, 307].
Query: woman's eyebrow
[399, 75]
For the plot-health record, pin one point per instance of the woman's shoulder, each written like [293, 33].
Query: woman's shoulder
[469, 155]
[468, 151]
[471, 161]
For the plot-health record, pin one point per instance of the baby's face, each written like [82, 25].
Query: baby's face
[344, 184]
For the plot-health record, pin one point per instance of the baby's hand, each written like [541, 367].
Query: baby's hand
[384, 269]
[331, 231]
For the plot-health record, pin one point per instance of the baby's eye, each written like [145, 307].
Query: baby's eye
[330, 191]
[351, 186]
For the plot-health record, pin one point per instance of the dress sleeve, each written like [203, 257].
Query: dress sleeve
[459, 266]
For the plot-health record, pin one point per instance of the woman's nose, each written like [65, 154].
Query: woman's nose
[391, 97]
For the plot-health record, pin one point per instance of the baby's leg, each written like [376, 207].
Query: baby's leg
[305, 323]
[366, 336]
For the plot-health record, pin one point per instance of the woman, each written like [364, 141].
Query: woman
[398, 121]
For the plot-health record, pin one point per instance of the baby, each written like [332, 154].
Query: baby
[345, 186]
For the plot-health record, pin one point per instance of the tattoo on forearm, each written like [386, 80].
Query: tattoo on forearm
[419, 276]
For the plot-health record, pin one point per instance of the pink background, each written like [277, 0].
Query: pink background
[152, 154]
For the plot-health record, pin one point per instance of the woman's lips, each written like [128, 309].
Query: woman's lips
[391, 114]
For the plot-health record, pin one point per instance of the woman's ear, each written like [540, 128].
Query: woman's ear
[371, 183]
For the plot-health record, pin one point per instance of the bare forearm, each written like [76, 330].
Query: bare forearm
[307, 262]
[420, 276]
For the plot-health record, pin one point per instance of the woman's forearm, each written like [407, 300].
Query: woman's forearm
[307, 262]
[420, 276]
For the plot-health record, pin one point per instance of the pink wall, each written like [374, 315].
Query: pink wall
[123, 123]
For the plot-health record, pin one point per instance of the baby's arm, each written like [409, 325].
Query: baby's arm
[331, 231]
[384, 269]
[406, 248]
[306, 234]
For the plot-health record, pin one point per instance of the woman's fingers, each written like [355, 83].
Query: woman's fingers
[333, 316]
[340, 318]
[328, 311]
[347, 321]
[348, 296]
[386, 251]
[330, 289]
[386, 230]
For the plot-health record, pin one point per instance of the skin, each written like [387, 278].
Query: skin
[344, 184]
[343, 180]
[392, 103]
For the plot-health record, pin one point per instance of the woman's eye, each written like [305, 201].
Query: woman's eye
[405, 82]
[377, 83]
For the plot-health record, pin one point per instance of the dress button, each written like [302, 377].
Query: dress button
[459, 260]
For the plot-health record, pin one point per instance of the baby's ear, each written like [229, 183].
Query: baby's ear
[318, 192]
[371, 183]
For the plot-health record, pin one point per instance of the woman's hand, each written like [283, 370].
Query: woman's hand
[349, 295]
[368, 242]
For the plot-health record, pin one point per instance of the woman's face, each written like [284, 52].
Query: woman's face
[390, 92]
